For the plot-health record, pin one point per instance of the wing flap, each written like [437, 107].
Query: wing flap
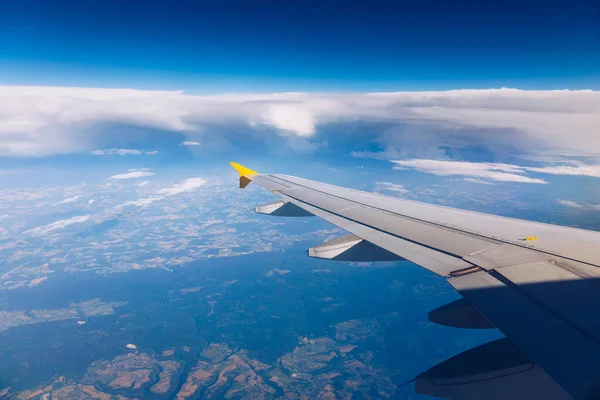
[351, 248]
[282, 209]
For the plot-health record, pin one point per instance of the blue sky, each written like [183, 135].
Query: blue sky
[232, 46]
[302, 79]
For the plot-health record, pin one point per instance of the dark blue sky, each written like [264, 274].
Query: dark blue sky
[300, 45]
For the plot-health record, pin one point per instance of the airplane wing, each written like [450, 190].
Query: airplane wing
[537, 283]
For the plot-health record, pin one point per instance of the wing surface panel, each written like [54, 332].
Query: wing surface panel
[425, 234]
[577, 244]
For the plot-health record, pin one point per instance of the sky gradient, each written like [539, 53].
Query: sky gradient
[233, 46]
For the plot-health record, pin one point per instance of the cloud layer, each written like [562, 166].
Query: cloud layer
[116, 152]
[133, 174]
[189, 143]
[121, 152]
[45, 229]
[573, 204]
[41, 121]
[581, 170]
[493, 171]
[69, 200]
[185, 186]
[389, 187]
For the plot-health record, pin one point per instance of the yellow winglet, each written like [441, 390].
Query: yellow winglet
[530, 238]
[246, 174]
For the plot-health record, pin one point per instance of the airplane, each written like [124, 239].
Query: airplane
[537, 283]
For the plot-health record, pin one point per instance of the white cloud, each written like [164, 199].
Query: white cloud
[143, 202]
[41, 121]
[69, 200]
[583, 170]
[91, 201]
[474, 180]
[186, 185]
[484, 172]
[133, 174]
[45, 229]
[489, 171]
[569, 203]
[121, 152]
[573, 204]
[116, 152]
[189, 143]
[144, 183]
[389, 187]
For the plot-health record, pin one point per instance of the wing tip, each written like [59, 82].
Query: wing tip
[246, 174]
[243, 171]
